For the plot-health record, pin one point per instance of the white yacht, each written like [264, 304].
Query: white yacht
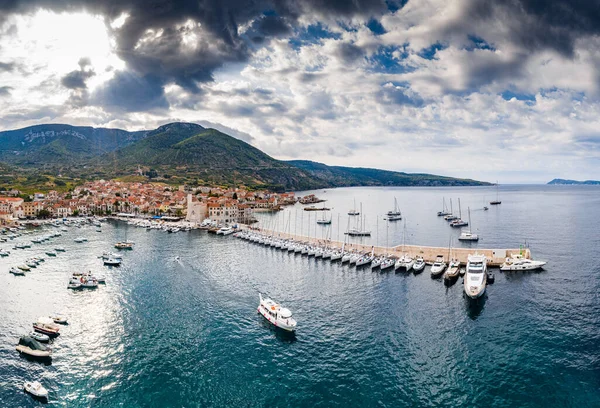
[80, 240]
[36, 389]
[452, 271]
[519, 263]
[276, 315]
[108, 255]
[387, 263]
[467, 235]
[225, 231]
[112, 261]
[476, 276]
[438, 267]
[419, 264]
[404, 262]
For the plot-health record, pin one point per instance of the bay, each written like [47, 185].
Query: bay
[176, 325]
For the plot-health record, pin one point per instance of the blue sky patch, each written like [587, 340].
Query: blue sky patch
[429, 52]
[375, 27]
[312, 34]
[383, 60]
[508, 95]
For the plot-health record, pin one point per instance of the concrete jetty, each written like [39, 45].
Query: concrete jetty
[495, 256]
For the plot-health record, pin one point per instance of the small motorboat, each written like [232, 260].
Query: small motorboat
[80, 240]
[107, 255]
[452, 271]
[419, 264]
[42, 338]
[47, 326]
[31, 263]
[17, 271]
[276, 315]
[124, 245]
[24, 267]
[438, 267]
[36, 389]
[33, 348]
[4, 253]
[51, 253]
[112, 262]
[58, 319]
[74, 284]
[59, 249]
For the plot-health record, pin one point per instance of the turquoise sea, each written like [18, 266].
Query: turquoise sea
[176, 325]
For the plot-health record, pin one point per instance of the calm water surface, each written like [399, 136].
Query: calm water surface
[176, 325]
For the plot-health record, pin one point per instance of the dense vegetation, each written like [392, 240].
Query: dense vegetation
[59, 156]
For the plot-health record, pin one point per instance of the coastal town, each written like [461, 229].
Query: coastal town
[144, 200]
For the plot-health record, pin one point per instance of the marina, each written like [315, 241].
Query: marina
[199, 290]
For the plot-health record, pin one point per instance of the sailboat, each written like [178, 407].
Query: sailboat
[444, 211]
[405, 261]
[468, 235]
[453, 269]
[394, 215]
[359, 230]
[496, 201]
[450, 216]
[323, 220]
[353, 210]
[459, 222]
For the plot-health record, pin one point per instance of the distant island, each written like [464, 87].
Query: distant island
[563, 182]
[57, 156]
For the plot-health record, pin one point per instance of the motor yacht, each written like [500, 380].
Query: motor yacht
[58, 319]
[225, 231]
[36, 389]
[452, 271]
[438, 267]
[519, 263]
[112, 261]
[275, 314]
[476, 276]
[419, 264]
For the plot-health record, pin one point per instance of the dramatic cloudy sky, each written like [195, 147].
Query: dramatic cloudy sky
[503, 89]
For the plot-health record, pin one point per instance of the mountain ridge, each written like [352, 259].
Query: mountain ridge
[567, 182]
[185, 153]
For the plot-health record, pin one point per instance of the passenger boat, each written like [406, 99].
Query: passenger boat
[33, 348]
[476, 276]
[36, 389]
[438, 267]
[519, 263]
[275, 314]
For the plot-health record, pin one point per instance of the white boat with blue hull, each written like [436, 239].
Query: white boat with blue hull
[276, 315]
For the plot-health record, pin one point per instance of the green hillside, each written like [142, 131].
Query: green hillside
[358, 176]
[177, 153]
